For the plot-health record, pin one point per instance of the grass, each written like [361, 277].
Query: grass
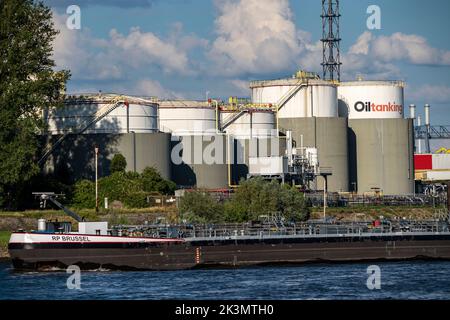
[4, 239]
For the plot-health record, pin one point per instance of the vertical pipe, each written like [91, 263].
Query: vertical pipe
[419, 141]
[134, 150]
[128, 117]
[289, 146]
[412, 111]
[427, 114]
[448, 197]
[427, 124]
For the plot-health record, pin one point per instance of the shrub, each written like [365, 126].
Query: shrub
[199, 206]
[152, 181]
[84, 194]
[256, 197]
[118, 163]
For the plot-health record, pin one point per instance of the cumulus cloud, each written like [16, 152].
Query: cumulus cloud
[398, 46]
[429, 93]
[241, 86]
[119, 55]
[147, 87]
[255, 36]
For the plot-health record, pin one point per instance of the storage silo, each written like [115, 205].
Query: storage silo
[198, 150]
[252, 133]
[308, 107]
[140, 115]
[381, 145]
[130, 129]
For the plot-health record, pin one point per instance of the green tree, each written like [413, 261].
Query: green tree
[118, 163]
[200, 206]
[256, 197]
[28, 85]
[152, 181]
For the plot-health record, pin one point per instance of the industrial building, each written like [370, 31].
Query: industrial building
[317, 133]
[351, 134]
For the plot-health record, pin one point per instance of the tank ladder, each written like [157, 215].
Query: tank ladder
[93, 119]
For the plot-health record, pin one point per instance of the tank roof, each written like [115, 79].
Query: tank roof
[184, 104]
[106, 98]
[290, 82]
[396, 83]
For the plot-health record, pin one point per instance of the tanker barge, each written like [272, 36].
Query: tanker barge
[165, 247]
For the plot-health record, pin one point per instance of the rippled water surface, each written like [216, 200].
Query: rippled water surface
[399, 280]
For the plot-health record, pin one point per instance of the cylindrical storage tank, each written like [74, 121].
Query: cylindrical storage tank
[140, 115]
[315, 98]
[311, 113]
[371, 99]
[42, 225]
[74, 159]
[200, 161]
[252, 123]
[329, 136]
[183, 117]
[381, 156]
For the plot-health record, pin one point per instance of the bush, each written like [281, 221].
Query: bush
[153, 182]
[122, 187]
[253, 198]
[201, 207]
[130, 188]
[118, 164]
[84, 194]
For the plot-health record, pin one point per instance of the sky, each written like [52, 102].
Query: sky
[193, 49]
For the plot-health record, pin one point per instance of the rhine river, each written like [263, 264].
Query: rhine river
[399, 280]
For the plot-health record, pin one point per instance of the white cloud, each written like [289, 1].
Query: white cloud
[242, 87]
[398, 46]
[255, 36]
[138, 48]
[122, 55]
[429, 93]
[146, 87]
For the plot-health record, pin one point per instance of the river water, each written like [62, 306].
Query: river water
[398, 280]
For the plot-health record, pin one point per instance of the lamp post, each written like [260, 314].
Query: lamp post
[96, 179]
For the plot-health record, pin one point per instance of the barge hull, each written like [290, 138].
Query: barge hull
[227, 253]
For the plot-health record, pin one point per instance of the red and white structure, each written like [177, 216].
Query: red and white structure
[432, 167]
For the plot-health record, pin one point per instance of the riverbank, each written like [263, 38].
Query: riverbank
[4, 239]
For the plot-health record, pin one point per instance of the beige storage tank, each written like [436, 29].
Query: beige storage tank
[74, 158]
[312, 116]
[200, 161]
[381, 156]
[380, 140]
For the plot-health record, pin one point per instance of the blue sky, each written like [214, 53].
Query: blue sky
[186, 48]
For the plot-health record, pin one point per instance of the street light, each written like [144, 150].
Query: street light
[96, 179]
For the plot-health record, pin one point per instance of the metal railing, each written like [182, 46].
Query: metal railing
[271, 230]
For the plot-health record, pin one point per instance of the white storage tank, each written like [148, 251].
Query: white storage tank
[380, 139]
[371, 99]
[317, 98]
[312, 116]
[139, 116]
[252, 123]
[184, 117]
